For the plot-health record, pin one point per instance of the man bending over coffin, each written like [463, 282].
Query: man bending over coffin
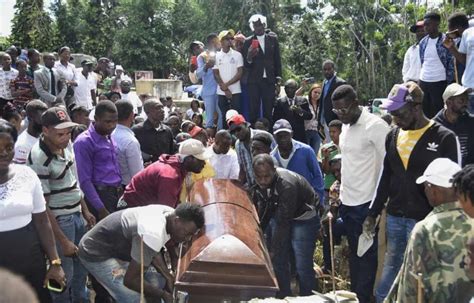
[113, 251]
[286, 205]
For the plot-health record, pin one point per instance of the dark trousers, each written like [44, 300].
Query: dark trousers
[263, 93]
[226, 104]
[433, 97]
[22, 254]
[109, 195]
[362, 269]
[337, 232]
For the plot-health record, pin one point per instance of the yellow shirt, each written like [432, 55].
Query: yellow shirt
[407, 140]
[206, 172]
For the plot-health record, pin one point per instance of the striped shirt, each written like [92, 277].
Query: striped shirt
[58, 178]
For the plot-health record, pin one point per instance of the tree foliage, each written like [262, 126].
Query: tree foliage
[31, 25]
[366, 38]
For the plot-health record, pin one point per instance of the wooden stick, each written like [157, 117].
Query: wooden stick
[331, 243]
[142, 276]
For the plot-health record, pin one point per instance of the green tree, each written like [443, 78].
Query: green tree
[31, 25]
[143, 41]
[68, 25]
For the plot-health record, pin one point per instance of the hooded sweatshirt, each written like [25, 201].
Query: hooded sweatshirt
[159, 183]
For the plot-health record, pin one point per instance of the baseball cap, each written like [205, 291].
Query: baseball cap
[225, 33]
[398, 96]
[440, 172]
[193, 132]
[235, 121]
[119, 67]
[282, 125]
[193, 147]
[415, 26]
[56, 117]
[196, 42]
[453, 90]
[87, 62]
[230, 113]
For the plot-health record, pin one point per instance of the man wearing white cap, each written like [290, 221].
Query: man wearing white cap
[455, 116]
[435, 253]
[113, 251]
[161, 182]
[262, 59]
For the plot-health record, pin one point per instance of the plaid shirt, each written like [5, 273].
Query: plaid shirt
[22, 83]
[444, 55]
[245, 157]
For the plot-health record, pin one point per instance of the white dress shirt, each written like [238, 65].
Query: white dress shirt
[412, 64]
[362, 149]
[226, 166]
[129, 153]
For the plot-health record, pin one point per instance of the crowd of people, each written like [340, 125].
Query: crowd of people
[94, 180]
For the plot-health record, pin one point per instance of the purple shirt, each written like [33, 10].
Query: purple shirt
[97, 164]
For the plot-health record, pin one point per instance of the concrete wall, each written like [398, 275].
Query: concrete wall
[160, 88]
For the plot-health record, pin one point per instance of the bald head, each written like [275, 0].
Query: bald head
[223, 141]
[151, 103]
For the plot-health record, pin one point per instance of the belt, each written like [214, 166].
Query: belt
[67, 206]
[106, 187]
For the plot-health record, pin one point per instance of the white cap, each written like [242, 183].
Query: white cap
[118, 67]
[255, 18]
[230, 113]
[195, 148]
[453, 90]
[440, 172]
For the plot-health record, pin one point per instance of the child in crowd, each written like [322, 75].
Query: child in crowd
[22, 86]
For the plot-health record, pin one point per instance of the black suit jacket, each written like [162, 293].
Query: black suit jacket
[282, 111]
[326, 100]
[270, 60]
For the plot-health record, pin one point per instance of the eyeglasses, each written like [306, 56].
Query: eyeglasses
[342, 111]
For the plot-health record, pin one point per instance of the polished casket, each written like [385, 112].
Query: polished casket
[228, 261]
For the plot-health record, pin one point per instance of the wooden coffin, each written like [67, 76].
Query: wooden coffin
[228, 259]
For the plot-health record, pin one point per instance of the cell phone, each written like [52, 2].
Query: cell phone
[194, 60]
[255, 43]
[453, 34]
[55, 286]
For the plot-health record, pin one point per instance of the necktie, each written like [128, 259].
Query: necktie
[53, 82]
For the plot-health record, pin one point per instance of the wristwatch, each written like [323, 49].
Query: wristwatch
[56, 262]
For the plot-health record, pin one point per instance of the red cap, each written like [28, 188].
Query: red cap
[236, 120]
[195, 131]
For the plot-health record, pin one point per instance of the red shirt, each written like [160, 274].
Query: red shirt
[159, 183]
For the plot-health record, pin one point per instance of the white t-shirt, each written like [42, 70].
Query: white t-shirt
[20, 197]
[68, 72]
[23, 146]
[133, 98]
[226, 166]
[467, 47]
[228, 64]
[432, 70]
[82, 92]
[5, 78]
[362, 149]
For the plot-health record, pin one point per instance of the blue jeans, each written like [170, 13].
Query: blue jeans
[110, 274]
[210, 103]
[74, 228]
[303, 243]
[362, 269]
[398, 231]
[313, 139]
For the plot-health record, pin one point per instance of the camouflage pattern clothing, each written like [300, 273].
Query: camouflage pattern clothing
[437, 249]
[334, 191]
